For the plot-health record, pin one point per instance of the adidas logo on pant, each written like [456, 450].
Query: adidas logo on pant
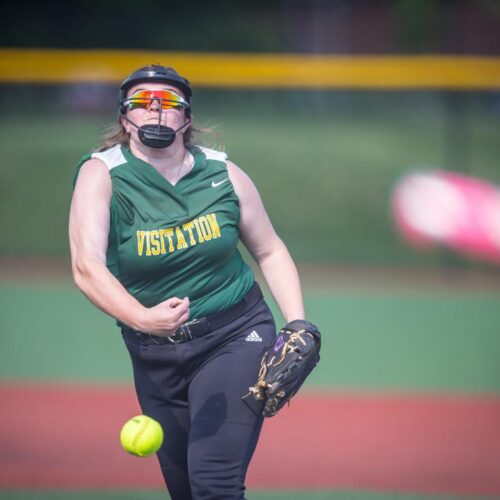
[253, 336]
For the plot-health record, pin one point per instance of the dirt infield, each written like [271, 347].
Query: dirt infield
[66, 437]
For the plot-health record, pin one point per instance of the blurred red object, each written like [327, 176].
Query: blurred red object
[444, 208]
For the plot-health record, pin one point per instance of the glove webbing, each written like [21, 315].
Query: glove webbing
[259, 390]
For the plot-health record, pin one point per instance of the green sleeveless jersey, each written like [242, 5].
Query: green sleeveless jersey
[181, 240]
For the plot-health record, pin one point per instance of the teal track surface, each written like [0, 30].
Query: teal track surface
[376, 340]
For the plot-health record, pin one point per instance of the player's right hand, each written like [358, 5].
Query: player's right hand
[166, 317]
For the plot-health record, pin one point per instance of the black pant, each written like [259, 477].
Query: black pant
[195, 390]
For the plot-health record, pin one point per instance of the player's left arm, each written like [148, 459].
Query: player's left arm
[268, 250]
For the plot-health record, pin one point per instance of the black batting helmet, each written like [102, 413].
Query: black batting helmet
[156, 74]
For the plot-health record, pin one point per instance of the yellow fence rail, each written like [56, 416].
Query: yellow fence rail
[256, 70]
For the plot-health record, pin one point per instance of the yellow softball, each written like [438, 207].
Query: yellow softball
[141, 436]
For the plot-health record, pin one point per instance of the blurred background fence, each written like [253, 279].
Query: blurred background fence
[326, 104]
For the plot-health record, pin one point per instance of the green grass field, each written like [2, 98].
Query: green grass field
[325, 163]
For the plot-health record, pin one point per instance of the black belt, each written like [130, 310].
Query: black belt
[199, 327]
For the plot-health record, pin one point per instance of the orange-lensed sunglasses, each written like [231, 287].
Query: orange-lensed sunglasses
[166, 99]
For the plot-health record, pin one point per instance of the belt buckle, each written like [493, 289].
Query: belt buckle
[183, 333]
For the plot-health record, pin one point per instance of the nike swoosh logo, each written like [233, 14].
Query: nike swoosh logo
[215, 184]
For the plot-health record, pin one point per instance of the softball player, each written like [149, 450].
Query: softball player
[154, 225]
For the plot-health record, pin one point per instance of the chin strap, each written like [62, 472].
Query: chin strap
[157, 136]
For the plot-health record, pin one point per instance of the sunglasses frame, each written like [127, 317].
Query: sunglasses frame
[136, 102]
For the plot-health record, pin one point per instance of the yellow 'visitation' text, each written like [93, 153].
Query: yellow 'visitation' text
[170, 239]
